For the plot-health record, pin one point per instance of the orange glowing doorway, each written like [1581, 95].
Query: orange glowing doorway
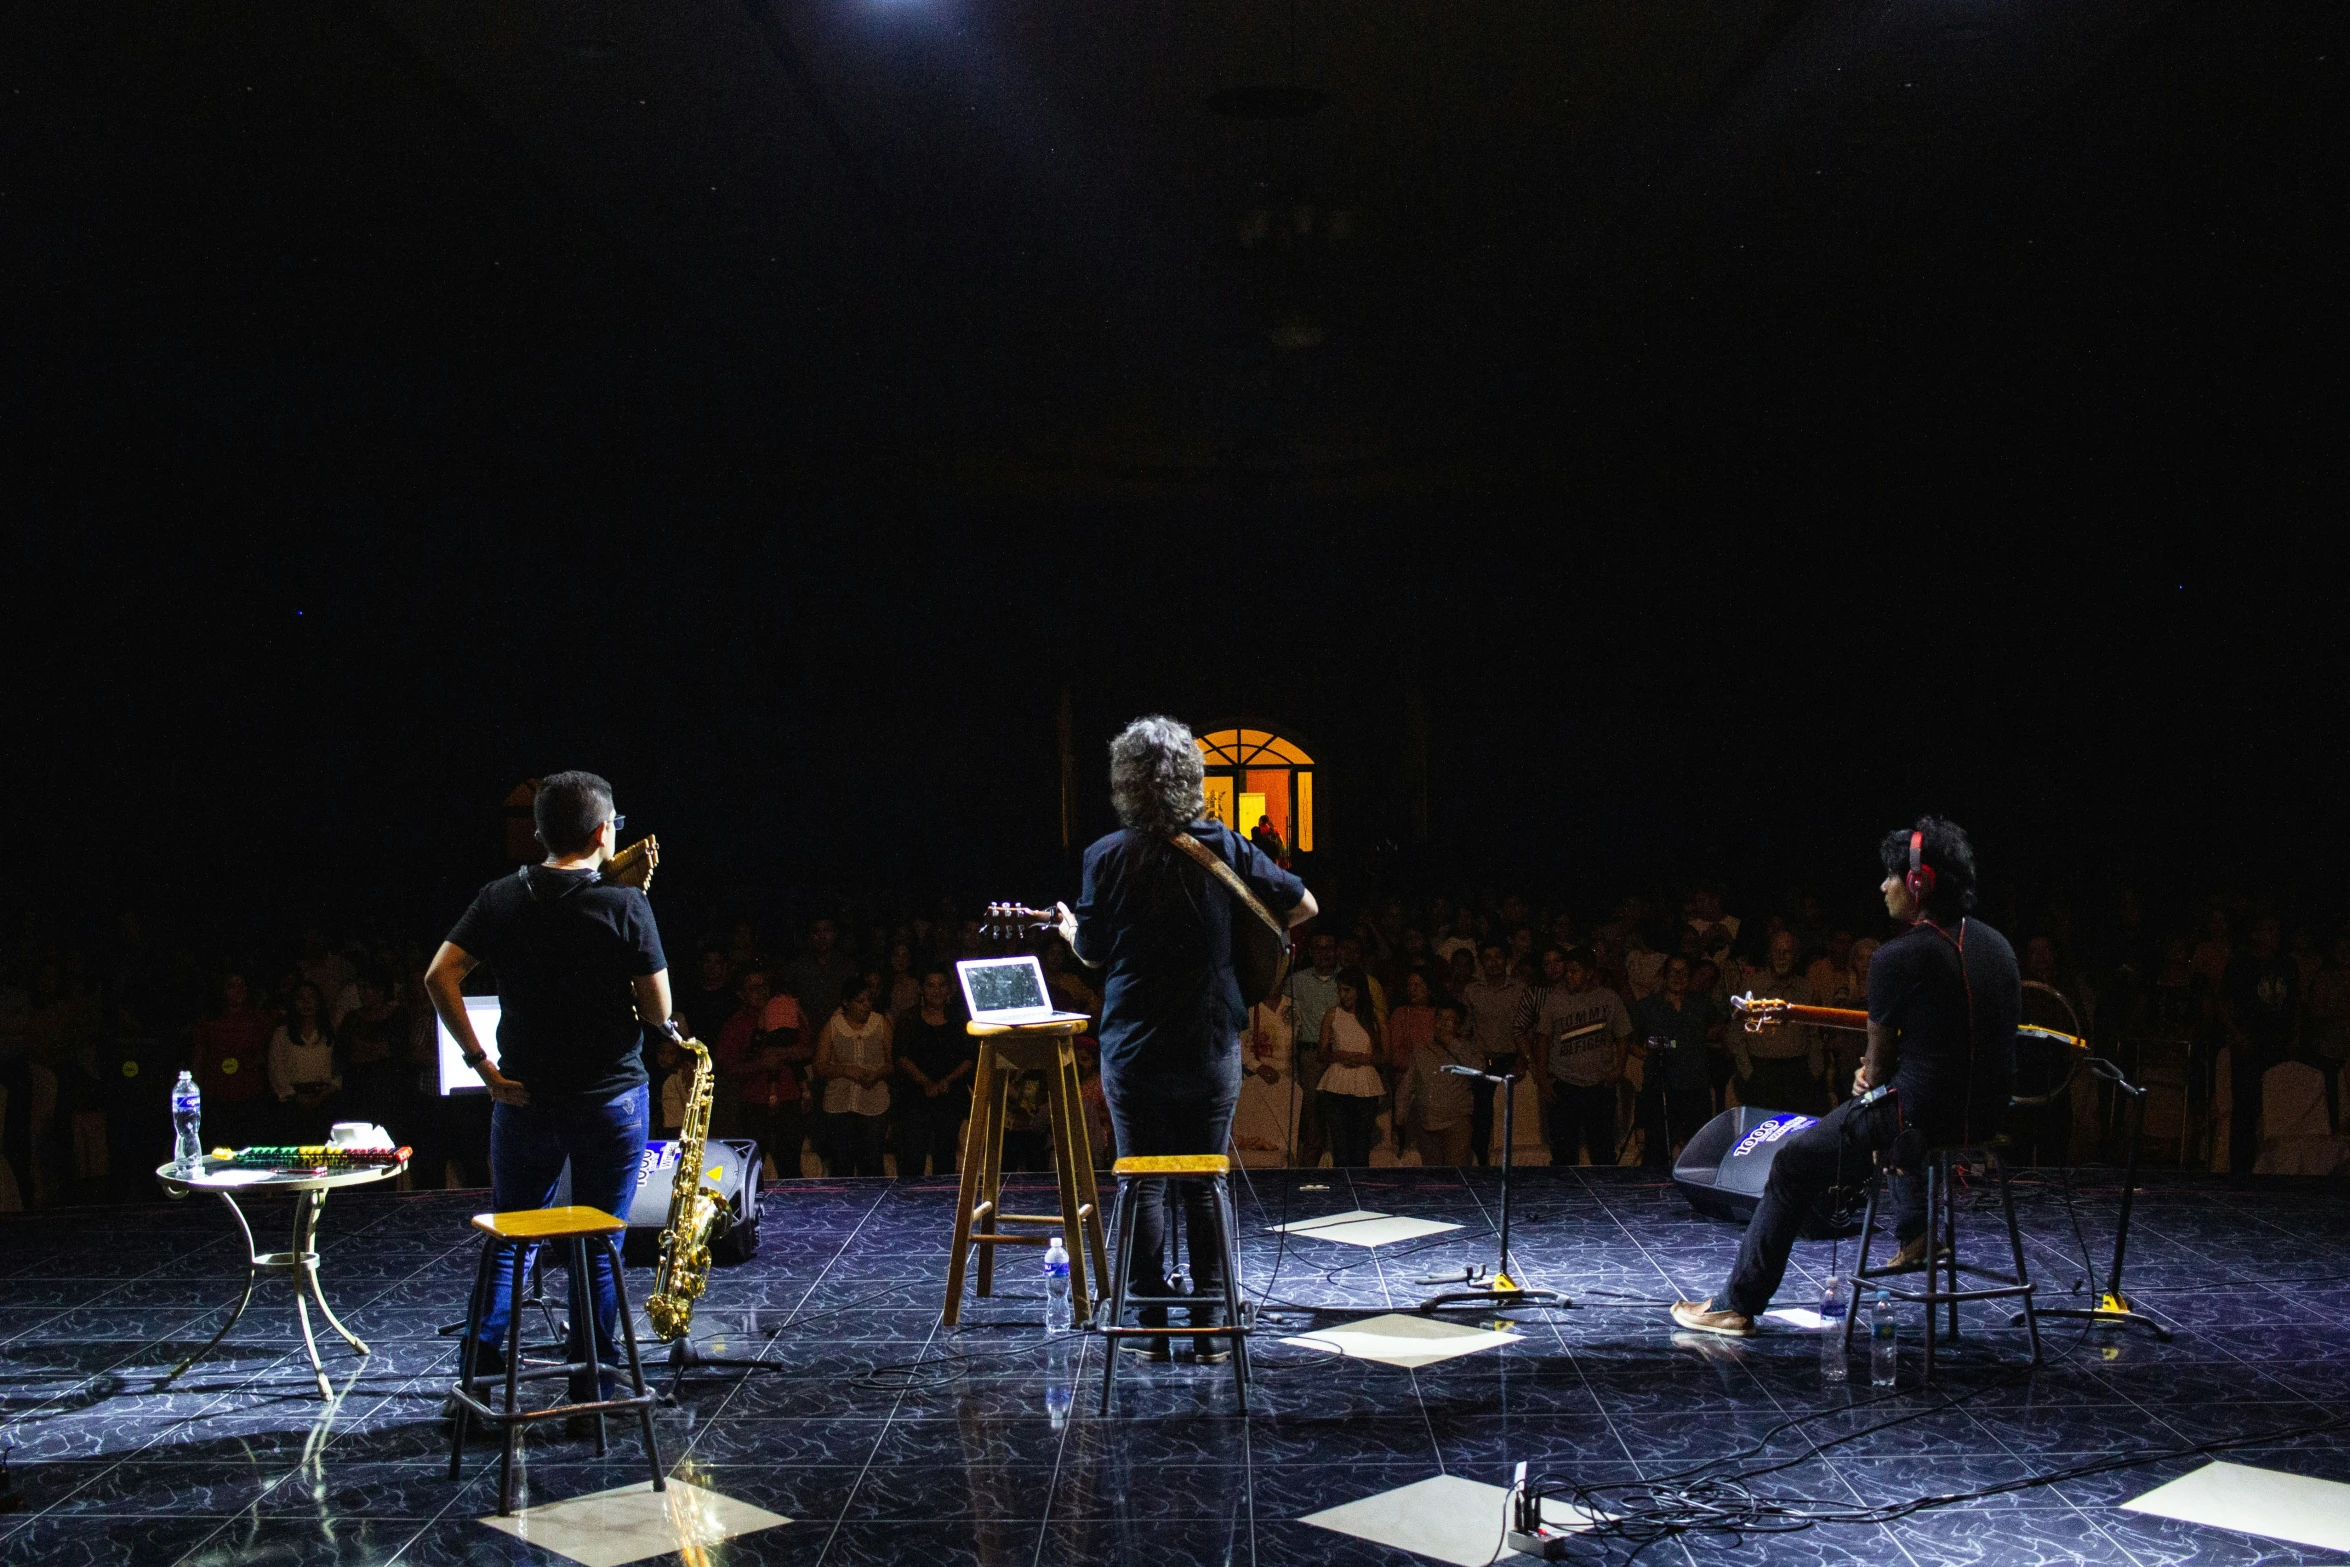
[1254, 773]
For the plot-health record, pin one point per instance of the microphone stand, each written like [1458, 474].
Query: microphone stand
[2113, 1306]
[1500, 1290]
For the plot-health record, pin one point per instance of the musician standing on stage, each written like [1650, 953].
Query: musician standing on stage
[1944, 1000]
[581, 978]
[1172, 1011]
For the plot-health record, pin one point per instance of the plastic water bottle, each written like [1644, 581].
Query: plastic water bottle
[1832, 1305]
[1884, 1342]
[187, 1116]
[1056, 1288]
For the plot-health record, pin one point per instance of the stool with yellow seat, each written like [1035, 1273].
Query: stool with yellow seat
[577, 1227]
[1216, 1170]
[1006, 1049]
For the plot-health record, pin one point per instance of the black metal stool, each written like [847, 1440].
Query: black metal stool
[577, 1226]
[1941, 1233]
[1216, 1170]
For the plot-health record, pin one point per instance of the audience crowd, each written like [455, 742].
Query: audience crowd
[840, 1048]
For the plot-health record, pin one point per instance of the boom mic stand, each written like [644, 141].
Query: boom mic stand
[2113, 1306]
[1499, 1290]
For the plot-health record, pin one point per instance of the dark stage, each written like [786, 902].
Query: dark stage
[883, 1438]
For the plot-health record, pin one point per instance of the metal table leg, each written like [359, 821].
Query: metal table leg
[252, 1273]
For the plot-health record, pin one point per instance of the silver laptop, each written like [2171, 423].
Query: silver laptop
[1010, 991]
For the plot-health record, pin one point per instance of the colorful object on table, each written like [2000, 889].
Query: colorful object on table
[309, 1156]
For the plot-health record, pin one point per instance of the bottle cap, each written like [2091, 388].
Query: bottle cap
[1056, 1240]
[1881, 1295]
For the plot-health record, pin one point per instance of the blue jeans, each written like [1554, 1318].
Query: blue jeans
[605, 1141]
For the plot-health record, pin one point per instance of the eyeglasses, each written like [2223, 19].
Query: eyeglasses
[619, 824]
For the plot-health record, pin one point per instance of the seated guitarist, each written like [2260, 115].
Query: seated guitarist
[1944, 1000]
[1172, 1010]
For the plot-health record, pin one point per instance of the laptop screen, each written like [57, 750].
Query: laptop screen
[998, 985]
[456, 1076]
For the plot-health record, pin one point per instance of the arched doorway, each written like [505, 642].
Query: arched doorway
[1254, 773]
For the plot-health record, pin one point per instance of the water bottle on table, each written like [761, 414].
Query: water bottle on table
[187, 1116]
[1832, 1307]
[1884, 1342]
[1056, 1288]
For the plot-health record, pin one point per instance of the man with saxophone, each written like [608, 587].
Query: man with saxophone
[581, 977]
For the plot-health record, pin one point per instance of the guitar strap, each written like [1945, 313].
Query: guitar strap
[1215, 866]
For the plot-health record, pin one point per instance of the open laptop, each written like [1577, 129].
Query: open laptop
[1010, 991]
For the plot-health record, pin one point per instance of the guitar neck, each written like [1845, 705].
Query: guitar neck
[1829, 1017]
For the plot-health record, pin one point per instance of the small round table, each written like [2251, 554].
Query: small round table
[309, 1188]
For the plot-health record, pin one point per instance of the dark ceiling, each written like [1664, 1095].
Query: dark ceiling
[1644, 245]
[777, 402]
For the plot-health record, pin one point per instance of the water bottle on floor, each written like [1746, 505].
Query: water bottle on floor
[187, 1116]
[1832, 1306]
[1056, 1288]
[1884, 1342]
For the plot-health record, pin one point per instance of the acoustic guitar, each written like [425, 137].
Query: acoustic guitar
[1261, 950]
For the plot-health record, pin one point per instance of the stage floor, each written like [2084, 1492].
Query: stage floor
[883, 1438]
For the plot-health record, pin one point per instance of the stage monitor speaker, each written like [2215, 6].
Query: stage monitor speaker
[737, 1162]
[1722, 1169]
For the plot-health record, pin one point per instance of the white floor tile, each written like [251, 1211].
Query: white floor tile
[1445, 1517]
[610, 1528]
[2256, 1501]
[1399, 1340]
[1365, 1228]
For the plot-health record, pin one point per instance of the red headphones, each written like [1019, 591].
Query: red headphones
[1920, 879]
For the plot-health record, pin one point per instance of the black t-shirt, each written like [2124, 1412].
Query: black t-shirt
[1955, 1030]
[1163, 927]
[937, 1048]
[565, 947]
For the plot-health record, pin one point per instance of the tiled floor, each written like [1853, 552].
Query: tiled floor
[887, 1439]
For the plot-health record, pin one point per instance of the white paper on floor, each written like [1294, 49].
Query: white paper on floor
[1399, 1340]
[632, 1522]
[1365, 1228]
[2256, 1501]
[1803, 1317]
[1446, 1517]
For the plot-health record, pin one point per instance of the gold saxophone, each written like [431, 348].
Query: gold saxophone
[698, 1215]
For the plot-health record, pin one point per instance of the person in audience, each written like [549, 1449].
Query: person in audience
[1826, 972]
[303, 1070]
[374, 1037]
[788, 1041]
[1579, 1033]
[229, 1056]
[2041, 1134]
[1434, 1102]
[2216, 950]
[712, 998]
[853, 1057]
[1312, 991]
[1644, 966]
[331, 972]
[817, 975]
[1492, 1001]
[1350, 1087]
[2326, 1028]
[1781, 1068]
[1849, 990]
[2259, 1006]
[1676, 1026]
[1409, 1028]
[901, 985]
[1264, 1122]
[936, 1058]
[1350, 956]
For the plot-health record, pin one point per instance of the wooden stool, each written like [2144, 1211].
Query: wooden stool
[1003, 1050]
[1216, 1170]
[577, 1226]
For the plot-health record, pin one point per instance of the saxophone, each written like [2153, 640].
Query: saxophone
[698, 1215]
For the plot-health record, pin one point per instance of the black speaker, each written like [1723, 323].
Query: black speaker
[1722, 1169]
[737, 1162]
